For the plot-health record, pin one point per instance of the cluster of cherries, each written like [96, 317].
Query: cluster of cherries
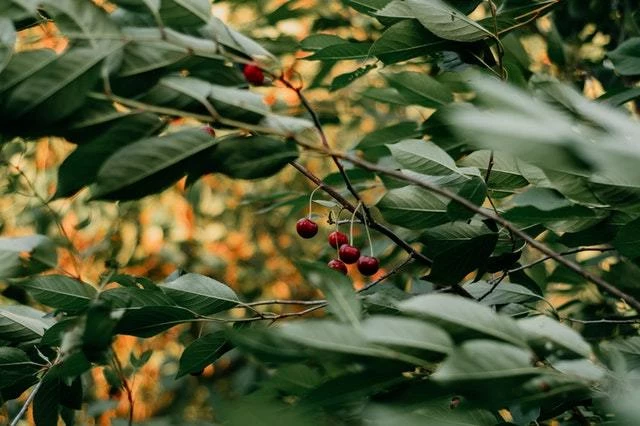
[347, 253]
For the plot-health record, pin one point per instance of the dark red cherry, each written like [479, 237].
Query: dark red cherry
[306, 228]
[338, 265]
[349, 254]
[253, 74]
[337, 238]
[368, 265]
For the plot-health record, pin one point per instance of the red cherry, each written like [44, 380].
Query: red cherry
[349, 254]
[338, 265]
[253, 74]
[368, 265]
[210, 130]
[306, 228]
[337, 238]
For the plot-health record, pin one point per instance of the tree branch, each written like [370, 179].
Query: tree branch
[573, 266]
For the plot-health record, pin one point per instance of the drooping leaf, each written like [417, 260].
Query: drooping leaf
[22, 323]
[337, 289]
[438, 17]
[80, 168]
[420, 89]
[14, 365]
[148, 321]
[201, 294]
[397, 332]
[252, 157]
[626, 57]
[550, 336]
[463, 318]
[61, 292]
[456, 249]
[149, 165]
[202, 352]
[423, 157]
[22, 256]
[56, 88]
[7, 41]
[46, 404]
[413, 207]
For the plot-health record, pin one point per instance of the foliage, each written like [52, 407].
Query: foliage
[515, 153]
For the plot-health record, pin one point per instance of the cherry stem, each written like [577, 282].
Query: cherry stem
[311, 201]
[366, 228]
[353, 217]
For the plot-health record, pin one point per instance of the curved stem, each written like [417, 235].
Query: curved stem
[27, 403]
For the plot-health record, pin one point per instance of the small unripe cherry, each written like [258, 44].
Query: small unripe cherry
[348, 254]
[306, 228]
[210, 130]
[253, 74]
[368, 265]
[337, 238]
[338, 265]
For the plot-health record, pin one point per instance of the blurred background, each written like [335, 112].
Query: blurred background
[239, 232]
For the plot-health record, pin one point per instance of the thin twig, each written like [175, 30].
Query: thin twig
[493, 287]
[573, 266]
[387, 275]
[603, 321]
[374, 225]
[323, 137]
[563, 253]
[27, 403]
[125, 385]
[285, 302]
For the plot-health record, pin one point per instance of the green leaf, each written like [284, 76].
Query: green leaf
[17, 10]
[185, 13]
[80, 168]
[85, 23]
[202, 352]
[407, 333]
[60, 292]
[149, 165]
[56, 89]
[332, 337]
[413, 207]
[253, 157]
[463, 318]
[148, 321]
[629, 348]
[387, 135]
[200, 294]
[7, 41]
[423, 157]
[474, 190]
[405, 40]
[217, 30]
[626, 57]
[342, 51]
[133, 297]
[14, 365]
[627, 239]
[502, 294]
[46, 404]
[22, 323]
[478, 366]
[457, 249]
[550, 336]
[21, 256]
[428, 412]
[420, 89]
[505, 175]
[337, 289]
[343, 80]
[439, 18]
[319, 41]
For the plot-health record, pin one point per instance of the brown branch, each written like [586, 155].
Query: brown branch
[372, 224]
[323, 137]
[563, 253]
[573, 266]
[387, 275]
